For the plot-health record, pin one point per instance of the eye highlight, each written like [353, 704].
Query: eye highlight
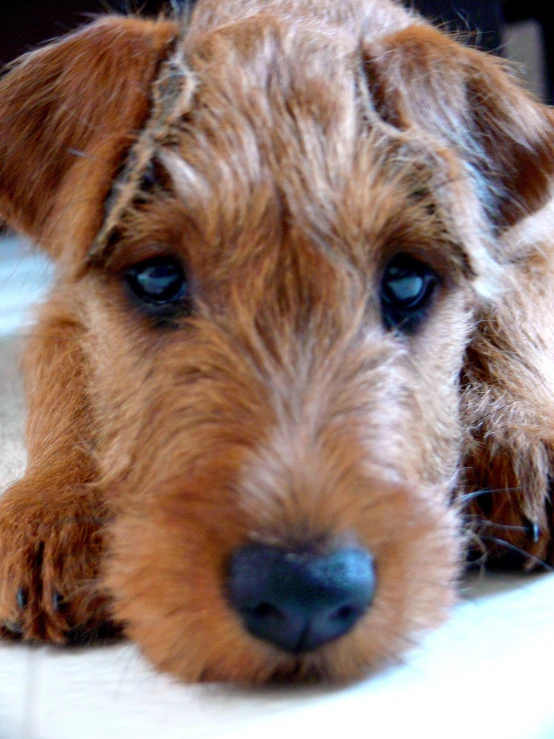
[160, 287]
[407, 287]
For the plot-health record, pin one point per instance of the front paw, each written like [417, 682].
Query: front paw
[50, 549]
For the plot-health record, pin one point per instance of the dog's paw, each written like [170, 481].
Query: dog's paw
[50, 548]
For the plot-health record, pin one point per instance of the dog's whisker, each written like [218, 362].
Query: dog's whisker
[467, 497]
[527, 557]
[477, 522]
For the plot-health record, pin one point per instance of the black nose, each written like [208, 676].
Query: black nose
[299, 601]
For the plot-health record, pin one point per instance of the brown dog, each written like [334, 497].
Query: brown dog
[299, 351]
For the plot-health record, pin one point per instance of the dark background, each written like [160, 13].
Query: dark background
[26, 23]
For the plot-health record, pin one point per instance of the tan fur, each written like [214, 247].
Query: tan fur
[316, 140]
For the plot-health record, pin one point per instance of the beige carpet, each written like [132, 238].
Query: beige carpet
[12, 453]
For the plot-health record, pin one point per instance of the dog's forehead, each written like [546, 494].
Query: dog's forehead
[258, 110]
[234, 94]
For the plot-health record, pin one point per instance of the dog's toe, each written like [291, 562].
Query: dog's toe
[58, 602]
[49, 562]
[13, 629]
[22, 598]
[13, 626]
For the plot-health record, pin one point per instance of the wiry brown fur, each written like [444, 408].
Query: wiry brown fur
[319, 140]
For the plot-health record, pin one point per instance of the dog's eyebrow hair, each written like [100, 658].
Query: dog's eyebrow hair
[172, 96]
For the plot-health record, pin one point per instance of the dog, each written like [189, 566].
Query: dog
[297, 361]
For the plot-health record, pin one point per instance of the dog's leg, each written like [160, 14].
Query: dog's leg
[51, 521]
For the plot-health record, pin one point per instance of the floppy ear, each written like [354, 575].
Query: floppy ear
[68, 113]
[468, 100]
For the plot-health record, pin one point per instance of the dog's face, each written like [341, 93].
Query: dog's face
[276, 320]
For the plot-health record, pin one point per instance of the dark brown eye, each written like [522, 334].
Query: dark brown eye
[407, 287]
[160, 286]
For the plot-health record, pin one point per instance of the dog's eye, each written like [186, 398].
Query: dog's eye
[407, 286]
[160, 285]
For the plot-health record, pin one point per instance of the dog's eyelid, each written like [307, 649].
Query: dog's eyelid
[446, 258]
[125, 256]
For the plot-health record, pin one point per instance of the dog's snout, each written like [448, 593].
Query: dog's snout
[298, 601]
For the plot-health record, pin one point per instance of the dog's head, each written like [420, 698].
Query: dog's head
[275, 226]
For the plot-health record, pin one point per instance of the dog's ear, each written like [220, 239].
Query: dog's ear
[68, 113]
[469, 100]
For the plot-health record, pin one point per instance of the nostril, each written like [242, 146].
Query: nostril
[298, 600]
[265, 610]
[345, 614]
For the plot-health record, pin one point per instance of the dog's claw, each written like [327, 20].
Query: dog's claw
[21, 598]
[13, 627]
[533, 532]
[57, 602]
